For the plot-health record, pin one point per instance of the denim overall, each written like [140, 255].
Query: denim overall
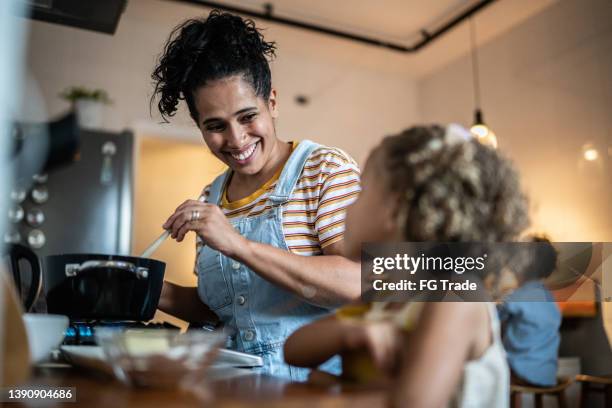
[259, 315]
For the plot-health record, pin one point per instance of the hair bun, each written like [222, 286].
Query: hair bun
[205, 49]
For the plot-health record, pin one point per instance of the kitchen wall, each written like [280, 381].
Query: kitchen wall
[357, 93]
[546, 92]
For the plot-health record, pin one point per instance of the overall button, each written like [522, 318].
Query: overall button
[249, 335]
[241, 300]
[235, 265]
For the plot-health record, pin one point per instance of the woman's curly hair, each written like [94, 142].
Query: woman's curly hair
[207, 49]
[452, 190]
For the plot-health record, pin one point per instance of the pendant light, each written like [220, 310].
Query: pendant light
[481, 131]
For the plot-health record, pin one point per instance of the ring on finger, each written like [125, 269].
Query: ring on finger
[195, 215]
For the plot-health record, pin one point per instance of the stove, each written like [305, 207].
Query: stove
[83, 333]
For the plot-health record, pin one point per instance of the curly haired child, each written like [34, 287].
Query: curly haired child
[428, 183]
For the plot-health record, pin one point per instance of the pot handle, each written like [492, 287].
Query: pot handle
[73, 269]
[20, 252]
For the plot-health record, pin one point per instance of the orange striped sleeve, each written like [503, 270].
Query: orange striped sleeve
[341, 186]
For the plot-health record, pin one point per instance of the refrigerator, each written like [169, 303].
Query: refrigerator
[83, 207]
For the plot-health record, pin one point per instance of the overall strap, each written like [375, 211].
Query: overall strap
[292, 171]
[216, 188]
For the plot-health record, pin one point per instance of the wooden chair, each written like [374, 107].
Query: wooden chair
[558, 391]
[595, 384]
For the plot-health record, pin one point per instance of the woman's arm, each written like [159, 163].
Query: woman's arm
[436, 352]
[328, 280]
[183, 302]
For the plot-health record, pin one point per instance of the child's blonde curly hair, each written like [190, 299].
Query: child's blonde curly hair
[451, 189]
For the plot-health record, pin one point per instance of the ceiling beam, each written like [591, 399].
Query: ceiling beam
[427, 37]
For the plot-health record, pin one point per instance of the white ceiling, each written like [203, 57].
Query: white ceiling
[391, 20]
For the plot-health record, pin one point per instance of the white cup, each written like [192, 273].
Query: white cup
[45, 333]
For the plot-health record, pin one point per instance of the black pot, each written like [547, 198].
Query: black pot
[102, 287]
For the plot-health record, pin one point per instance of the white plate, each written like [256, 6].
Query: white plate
[87, 356]
[93, 357]
[238, 359]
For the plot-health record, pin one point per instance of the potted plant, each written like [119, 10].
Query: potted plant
[88, 105]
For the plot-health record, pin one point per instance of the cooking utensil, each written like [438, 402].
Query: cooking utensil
[103, 287]
[107, 287]
[153, 247]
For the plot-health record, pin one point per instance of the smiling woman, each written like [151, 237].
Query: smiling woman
[238, 128]
[270, 229]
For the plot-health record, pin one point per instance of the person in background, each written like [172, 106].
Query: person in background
[426, 184]
[531, 319]
[270, 229]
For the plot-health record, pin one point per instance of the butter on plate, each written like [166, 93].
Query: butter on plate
[138, 343]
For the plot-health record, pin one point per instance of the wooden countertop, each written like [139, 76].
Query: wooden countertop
[98, 390]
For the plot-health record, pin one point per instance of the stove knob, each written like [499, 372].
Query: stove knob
[18, 195]
[36, 239]
[40, 194]
[12, 237]
[16, 213]
[40, 178]
[35, 217]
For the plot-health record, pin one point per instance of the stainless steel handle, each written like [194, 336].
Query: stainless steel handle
[109, 149]
[75, 268]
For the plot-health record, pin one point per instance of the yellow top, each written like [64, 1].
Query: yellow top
[403, 315]
[357, 365]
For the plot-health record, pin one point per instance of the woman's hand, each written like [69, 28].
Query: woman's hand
[381, 339]
[206, 220]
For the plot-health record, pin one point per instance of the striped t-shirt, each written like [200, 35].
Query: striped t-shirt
[313, 218]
